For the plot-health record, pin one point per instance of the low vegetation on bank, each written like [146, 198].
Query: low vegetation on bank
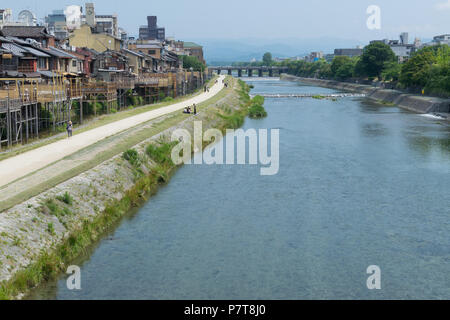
[256, 109]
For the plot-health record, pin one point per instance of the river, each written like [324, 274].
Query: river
[359, 184]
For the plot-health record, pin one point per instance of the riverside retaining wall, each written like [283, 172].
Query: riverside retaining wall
[415, 103]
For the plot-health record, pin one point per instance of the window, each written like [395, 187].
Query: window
[74, 63]
[42, 64]
[151, 51]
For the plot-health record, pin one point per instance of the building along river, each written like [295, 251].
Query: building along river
[359, 184]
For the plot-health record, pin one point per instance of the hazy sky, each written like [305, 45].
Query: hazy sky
[274, 19]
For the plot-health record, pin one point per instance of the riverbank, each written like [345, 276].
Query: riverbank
[414, 103]
[117, 136]
[39, 237]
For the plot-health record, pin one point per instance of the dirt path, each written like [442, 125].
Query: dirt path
[21, 165]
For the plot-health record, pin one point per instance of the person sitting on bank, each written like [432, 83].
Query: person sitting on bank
[69, 129]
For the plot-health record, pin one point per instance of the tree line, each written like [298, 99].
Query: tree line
[427, 71]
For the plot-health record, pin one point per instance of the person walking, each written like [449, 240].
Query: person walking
[195, 109]
[69, 129]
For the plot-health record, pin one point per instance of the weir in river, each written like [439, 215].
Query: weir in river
[312, 95]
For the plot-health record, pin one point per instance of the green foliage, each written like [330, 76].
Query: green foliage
[343, 67]
[50, 228]
[66, 198]
[392, 71]
[256, 109]
[318, 69]
[132, 156]
[428, 69]
[267, 59]
[374, 58]
[161, 153]
[52, 207]
[193, 62]
[258, 100]
[338, 62]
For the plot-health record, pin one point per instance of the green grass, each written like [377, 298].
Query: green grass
[50, 228]
[66, 198]
[132, 156]
[160, 153]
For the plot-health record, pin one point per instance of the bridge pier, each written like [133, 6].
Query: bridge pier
[230, 72]
[271, 73]
[260, 73]
[240, 73]
[250, 73]
[219, 71]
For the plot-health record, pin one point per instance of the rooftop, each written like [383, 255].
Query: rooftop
[25, 31]
[192, 45]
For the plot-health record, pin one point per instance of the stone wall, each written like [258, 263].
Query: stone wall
[415, 103]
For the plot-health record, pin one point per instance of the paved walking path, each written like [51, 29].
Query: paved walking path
[21, 165]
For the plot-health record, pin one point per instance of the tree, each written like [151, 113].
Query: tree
[338, 62]
[374, 58]
[429, 69]
[416, 70]
[267, 58]
[193, 62]
[391, 71]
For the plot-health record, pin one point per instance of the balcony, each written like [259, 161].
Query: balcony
[6, 67]
[26, 69]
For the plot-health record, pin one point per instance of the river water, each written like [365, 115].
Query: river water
[359, 184]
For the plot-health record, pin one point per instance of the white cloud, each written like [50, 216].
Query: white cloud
[443, 5]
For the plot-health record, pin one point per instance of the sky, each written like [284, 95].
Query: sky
[238, 19]
[313, 23]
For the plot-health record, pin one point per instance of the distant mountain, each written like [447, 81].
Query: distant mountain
[225, 51]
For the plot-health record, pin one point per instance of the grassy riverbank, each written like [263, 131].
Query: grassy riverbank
[58, 216]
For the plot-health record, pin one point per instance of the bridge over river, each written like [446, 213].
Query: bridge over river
[250, 70]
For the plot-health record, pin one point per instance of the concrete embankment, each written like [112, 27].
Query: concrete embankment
[41, 236]
[415, 103]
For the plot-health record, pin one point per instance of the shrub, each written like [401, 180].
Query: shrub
[132, 156]
[50, 228]
[160, 154]
[52, 207]
[257, 111]
[66, 198]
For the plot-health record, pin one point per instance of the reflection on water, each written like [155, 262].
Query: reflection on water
[359, 184]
